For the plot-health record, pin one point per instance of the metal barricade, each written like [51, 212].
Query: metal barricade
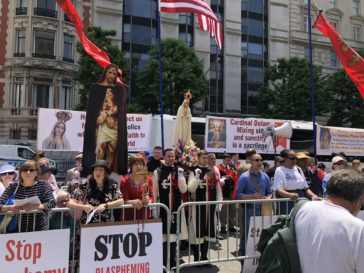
[65, 218]
[232, 245]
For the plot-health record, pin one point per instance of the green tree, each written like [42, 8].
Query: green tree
[288, 94]
[346, 104]
[182, 70]
[89, 70]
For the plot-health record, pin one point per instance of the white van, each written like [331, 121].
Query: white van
[16, 154]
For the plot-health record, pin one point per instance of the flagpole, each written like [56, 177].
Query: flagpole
[160, 74]
[312, 82]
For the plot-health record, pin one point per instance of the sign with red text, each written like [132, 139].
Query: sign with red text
[64, 130]
[122, 247]
[236, 135]
[256, 226]
[35, 252]
[334, 139]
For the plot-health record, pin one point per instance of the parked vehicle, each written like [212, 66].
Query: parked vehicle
[17, 154]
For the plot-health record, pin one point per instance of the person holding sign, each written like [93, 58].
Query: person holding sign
[106, 125]
[253, 184]
[169, 185]
[29, 186]
[137, 190]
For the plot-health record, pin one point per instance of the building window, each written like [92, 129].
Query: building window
[333, 59]
[335, 24]
[68, 48]
[46, 8]
[42, 96]
[32, 134]
[307, 53]
[244, 49]
[65, 95]
[244, 4]
[255, 51]
[44, 44]
[356, 6]
[305, 24]
[332, 4]
[22, 8]
[357, 33]
[255, 75]
[15, 134]
[20, 43]
[15, 100]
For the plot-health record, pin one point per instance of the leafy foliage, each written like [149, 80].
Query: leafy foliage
[347, 106]
[182, 71]
[288, 94]
[89, 70]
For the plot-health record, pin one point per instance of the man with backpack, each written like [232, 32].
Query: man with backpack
[329, 236]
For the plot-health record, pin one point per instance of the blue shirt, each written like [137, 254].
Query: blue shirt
[324, 184]
[246, 185]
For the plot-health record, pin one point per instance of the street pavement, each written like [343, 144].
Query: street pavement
[222, 249]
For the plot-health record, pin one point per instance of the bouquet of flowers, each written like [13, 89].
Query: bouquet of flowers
[186, 154]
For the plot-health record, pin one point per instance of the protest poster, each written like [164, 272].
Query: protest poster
[64, 130]
[122, 247]
[236, 135]
[335, 139]
[33, 252]
[256, 226]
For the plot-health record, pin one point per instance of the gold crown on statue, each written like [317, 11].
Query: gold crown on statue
[63, 116]
[188, 95]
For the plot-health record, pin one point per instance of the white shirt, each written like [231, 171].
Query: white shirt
[289, 179]
[329, 238]
[2, 188]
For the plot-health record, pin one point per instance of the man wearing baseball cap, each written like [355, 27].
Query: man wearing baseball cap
[75, 171]
[337, 162]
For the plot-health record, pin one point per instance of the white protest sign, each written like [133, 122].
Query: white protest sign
[256, 226]
[122, 247]
[71, 126]
[35, 252]
[234, 135]
[335, 139]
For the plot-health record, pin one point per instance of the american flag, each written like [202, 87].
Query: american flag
[206, 17]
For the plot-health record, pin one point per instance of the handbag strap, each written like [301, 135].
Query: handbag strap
[254, 181]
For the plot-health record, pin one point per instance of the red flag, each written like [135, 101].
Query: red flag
[96, 53]
[207, 19]
[353, 63]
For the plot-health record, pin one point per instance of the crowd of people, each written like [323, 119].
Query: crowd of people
[161, 178]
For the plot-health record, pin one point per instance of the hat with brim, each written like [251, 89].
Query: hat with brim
[302, 155]
[7, 168]
[45, 169]
[337, 159]
[79, 156]
[101, 163]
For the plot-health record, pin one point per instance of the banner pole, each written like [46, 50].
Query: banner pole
[312, 82]
[160, 74]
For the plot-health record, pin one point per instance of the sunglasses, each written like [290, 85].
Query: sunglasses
[258, 160]
[9, 173]
[292, 158]
[339, 163]
[29, 170]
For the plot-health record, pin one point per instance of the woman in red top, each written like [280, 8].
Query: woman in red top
[137, 189]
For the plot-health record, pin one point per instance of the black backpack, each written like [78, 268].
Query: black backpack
[278, 246]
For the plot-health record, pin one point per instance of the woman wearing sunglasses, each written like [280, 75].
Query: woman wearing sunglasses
[7, 176]
[29, 186]
[290, 182]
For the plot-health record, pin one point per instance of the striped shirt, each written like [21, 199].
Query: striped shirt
[45, 194]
